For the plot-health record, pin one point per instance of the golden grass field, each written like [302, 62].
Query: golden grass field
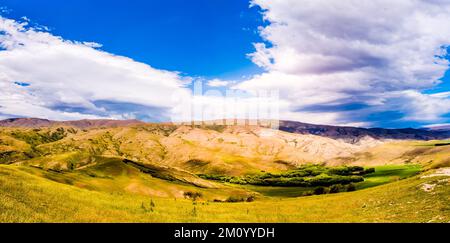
[25, 197]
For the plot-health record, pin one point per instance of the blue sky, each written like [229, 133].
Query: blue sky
[199, 38]
[80, 59]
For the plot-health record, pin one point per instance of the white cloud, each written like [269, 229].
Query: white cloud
[325, 58]
[337, 52]
[218, 83]
[73, 74]
[422, 107]
[42, 75]
[438, 125]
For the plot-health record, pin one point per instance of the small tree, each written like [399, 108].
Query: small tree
[192, 195]
[319, 190]
[335, 188]
[351, 187]
[369, 170]
[250, 198]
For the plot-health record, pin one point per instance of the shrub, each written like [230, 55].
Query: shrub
[335, 188]
[250, 199]
[235, 199]
[319, 190]
[347, 170]
[192, 195]
[70, 166]
[351, 187]
[237, 180]
[369, 170]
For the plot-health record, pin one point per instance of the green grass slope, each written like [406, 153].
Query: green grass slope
[28, 197]
[388, 173]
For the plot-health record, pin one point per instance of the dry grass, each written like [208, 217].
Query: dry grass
[25, 197]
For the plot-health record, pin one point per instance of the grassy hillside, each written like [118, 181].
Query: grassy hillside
[232, 151]
[113, 175]
[26, 197]
[167, 173]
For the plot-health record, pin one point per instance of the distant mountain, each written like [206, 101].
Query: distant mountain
[348, 134]
[26, 122]
[102, 123]
[439, 128]
[37, 122]
[354, 134]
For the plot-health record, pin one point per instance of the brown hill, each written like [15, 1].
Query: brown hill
[231, 150]
[26, 122]
[37, 122]
[348, 134]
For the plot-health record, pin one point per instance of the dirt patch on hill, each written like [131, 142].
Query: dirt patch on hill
[440, 172]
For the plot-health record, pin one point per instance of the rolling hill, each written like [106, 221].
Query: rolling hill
[27, 197]
[128, 161]
[232, 150]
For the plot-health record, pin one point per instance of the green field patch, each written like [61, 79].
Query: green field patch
[388, 173]
[317, 179]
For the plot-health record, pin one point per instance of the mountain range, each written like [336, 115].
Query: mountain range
[349, 134]
[214, 149]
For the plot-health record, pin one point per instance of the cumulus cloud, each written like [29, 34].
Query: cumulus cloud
[382, 54]
[218, 83]
[347, 62]
[42, 75]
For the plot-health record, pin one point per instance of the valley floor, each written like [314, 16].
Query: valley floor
[26, 197]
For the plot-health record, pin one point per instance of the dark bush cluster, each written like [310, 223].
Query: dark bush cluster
[351, 170]
[306, 176]
[235, 199]
[7, 157]
[320, 180]
[336, 188]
